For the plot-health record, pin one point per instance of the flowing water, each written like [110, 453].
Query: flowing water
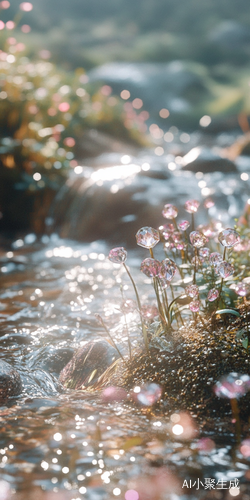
[58, 443]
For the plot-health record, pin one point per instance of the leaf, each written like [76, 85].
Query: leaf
[245, 343]
[228, 311]
[240, 333]
[131, 442]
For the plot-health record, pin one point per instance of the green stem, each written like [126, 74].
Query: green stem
[144, 331]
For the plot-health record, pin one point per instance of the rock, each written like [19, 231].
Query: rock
[204, 160]
[93, 143]
[112, 203]
[88, 364]
[57, 358]
[10, 381]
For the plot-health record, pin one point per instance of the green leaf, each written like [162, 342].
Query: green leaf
[228, 311]
[245, 343]
[240, 333]
[131, 442]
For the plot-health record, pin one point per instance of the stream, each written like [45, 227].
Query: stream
[58, 443]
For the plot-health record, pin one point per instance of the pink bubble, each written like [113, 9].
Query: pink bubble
[64, 107]
[131, 495]
[25, 28]
[20, 47]
[110, 394]
[4, 4]
[69, 141]
[2, 25]
[51, 111]
[205, 445]
[10, 25]
[26, 6]
[45, 54]
[244, 448]
[106, 90]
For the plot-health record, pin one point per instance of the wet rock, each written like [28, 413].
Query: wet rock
[204, 160]
[93, 143]
[57, 358]
[10, 381]
[88, 364]
[112, 203]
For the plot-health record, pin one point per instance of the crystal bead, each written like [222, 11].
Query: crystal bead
[208, 203]
[192, 290]
[168, 269]
[242, 289]
[191, 206]
[225, 269]
[229, 237]
[215, 259]
[194, 306]
[204, 252]
[148, 394]
[232, 386]
[197, 239]
[147, 237]
[169, 211]
[151, 267]
[118, 255]
[212, 295]
[183, 225]
[149, 312]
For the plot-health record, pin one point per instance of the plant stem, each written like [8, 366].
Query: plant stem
[236, 417]
[108, 333]
[192, 221]
[144, 331]
[195, 268]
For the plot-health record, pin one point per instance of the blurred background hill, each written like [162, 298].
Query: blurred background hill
[89, 33]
